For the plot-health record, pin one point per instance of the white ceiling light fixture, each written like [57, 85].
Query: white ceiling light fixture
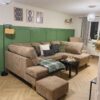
[91, 17]
[4, 2]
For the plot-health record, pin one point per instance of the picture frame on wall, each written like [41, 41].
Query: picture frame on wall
[39, 17]
[18, 14]
[29, 15]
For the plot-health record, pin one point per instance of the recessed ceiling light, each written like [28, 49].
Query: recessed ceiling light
[92, 6]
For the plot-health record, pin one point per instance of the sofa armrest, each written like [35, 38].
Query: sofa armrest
[17, 63]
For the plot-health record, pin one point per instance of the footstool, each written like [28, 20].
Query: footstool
[52, 87]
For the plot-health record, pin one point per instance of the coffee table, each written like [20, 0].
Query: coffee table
[70, 64]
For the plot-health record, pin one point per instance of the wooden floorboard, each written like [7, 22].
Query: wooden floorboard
[12, 88]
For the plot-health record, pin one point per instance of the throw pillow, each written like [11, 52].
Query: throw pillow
[44, 47]
[48, 52]
[36, 47]
[74, 47]
[55, 48]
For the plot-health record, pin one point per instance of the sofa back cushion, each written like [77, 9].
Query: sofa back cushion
[74, 47]
[28, 52]
[23, 44]
[55, 42]
[75, 39]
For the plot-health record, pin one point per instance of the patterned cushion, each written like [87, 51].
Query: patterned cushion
[48, 52]
[55, 47]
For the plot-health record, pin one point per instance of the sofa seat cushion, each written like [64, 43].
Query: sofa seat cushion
[80, 56]
[83, 58]
[77, 56]
[37, 72]
[54, 57]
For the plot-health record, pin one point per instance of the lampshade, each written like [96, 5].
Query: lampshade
[4, 2]
[91, 17]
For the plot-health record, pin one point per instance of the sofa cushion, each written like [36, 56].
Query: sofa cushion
[74, 47]
[62, 46]
[48, 52]
[37, 47]
[75, 39]
[23, 44]
[55, 42]
[83, 58]
[37, 72]
[55, 47]
[44, 47]
[23, 51]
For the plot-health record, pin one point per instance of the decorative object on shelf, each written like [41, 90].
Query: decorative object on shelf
[8, 29]
[18, 14]
[68, 20]
[91, 17]
[39, 17]
[30, 15]
[5, 2]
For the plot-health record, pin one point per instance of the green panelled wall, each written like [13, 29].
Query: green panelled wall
[1, 49]
[31, 34]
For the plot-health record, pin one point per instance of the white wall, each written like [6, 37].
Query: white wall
[52, 19]
[77, 23]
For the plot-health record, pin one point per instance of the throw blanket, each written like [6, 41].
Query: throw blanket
[52, 65]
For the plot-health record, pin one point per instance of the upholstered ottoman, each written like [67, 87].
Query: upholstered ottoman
[52, 87]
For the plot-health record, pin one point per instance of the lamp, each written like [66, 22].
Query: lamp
[91, 17]
[8, 30]
[4, 2]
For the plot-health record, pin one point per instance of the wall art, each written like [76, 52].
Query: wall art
[30, 15]
[18, 14]
[39, 17]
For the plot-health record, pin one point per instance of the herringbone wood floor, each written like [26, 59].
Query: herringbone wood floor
[12, 88]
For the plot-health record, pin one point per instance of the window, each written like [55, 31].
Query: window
[94, 30]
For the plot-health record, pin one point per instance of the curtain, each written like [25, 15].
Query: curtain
[85, 30]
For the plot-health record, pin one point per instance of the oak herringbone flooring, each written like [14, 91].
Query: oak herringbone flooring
[11, 88]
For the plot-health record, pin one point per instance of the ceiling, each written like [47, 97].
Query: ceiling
[72, 7]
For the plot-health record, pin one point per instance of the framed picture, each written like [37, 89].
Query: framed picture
[18, 14]
[30, 15]
[39, 17]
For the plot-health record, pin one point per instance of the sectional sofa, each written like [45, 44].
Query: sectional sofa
[22, 58]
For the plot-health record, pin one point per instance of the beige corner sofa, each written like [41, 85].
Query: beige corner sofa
[22, 58]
